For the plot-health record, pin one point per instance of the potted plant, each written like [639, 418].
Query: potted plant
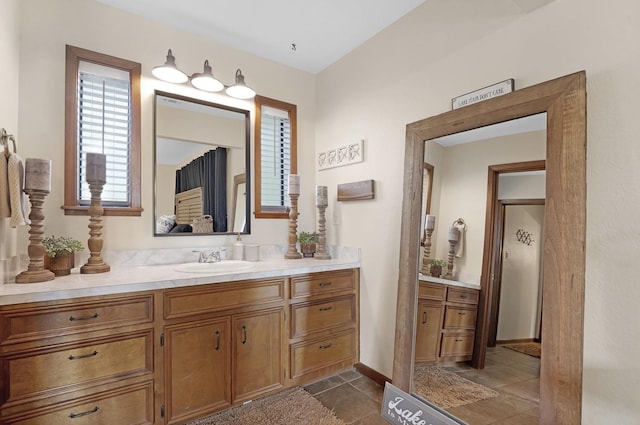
[308, 242]
[60, 254]
[435, 267]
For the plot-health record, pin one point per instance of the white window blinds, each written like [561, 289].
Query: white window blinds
[104, 126]
[275, 158]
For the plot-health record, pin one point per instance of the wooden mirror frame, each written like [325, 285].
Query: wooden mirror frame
[564, 101]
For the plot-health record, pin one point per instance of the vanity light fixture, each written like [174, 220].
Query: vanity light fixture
[169, 72]
[204, 80]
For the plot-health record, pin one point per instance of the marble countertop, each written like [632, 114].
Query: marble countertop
[426, 278]
[125, 278]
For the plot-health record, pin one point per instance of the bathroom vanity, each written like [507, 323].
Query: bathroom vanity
[446, 320]
[163, 347]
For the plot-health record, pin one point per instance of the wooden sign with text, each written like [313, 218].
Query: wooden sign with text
[400, 408]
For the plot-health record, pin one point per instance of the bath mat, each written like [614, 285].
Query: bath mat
[446, 389]
[529, 348]
[290, 407]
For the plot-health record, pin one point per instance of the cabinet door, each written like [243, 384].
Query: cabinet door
[257, 344]
[197, 368]
[428, 331]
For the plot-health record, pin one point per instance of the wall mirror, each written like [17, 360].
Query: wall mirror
[201, 166]
[564, 101]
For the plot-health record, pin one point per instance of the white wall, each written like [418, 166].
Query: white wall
[520, 287]
[45, 28]
[449, 47]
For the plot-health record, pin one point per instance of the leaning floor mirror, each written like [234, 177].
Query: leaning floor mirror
[564, 102]
[201, 166]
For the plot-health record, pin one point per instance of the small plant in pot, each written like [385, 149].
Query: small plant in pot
[435, 267]
[308, 241]
[60, 254]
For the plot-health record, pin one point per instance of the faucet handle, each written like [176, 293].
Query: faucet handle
[202, 256]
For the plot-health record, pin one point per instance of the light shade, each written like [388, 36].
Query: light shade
[240, 90]
[169, 72]
[205, 80]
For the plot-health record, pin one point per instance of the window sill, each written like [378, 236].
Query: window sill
[108, 211]
[262, 214]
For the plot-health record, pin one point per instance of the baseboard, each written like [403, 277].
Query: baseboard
[372, 374]
[516, 341]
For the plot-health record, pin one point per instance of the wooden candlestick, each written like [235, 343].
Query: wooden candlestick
[321, 246]
[426, 268]
[452, 246]
[36, 271]
[95, 264]
[292, 252]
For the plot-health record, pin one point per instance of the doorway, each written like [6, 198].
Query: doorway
[517, 310]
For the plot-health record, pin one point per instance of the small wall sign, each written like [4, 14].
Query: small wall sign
[485, 93]
[400, 408]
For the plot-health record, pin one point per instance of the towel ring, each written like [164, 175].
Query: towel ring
[4, 140]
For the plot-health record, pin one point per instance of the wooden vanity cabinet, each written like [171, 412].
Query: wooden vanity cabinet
[223, 344]
[89, 360]
[173, 355]
[324, 337]
[445, 323]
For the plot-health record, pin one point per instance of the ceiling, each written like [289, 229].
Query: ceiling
[322, 31]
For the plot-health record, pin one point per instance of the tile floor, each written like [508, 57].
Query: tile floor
[357, 400]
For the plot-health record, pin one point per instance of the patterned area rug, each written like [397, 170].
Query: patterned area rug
[290, 407]
[528, 348]
[446, 389]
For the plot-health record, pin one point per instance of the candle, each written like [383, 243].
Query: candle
[453, 234]
[294, 184]
[96, 167]
[430, 222]
[37, 174]
[322, 199]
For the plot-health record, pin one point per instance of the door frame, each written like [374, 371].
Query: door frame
[496, 263]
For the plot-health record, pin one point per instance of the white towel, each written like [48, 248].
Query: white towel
[17, 198]
[459, 250]
[5, 208]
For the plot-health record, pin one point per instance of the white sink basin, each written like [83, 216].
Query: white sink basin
[226, 266]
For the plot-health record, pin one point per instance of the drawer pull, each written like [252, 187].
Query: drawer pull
[424, 317]
[88, 412]
[217, 340]
[83, 356]
[463, 296]
[244, 334]
[324, 347]
[323, 284]
[458, 340]
[75, 319]
[326, 308]
[461, 313]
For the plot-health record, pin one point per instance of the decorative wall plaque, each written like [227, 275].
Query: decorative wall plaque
[343, 155]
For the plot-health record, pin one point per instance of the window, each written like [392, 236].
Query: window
[275, 153]
[102, 115]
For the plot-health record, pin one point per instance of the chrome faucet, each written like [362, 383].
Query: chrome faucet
[212, 257]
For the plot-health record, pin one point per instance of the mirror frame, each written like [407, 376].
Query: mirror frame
[247, 172]
[564, 101]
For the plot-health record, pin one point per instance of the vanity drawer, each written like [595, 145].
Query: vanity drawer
[310, 356]
[460, 318]
[460, 295]
[222, 296]
[54, 319]
[456, 345]
[69, 366]
[312, 317]
[123, 406]
[323, 283]
[432, 291]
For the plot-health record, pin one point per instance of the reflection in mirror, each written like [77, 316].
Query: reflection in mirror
[200, 150]
[455, 187]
